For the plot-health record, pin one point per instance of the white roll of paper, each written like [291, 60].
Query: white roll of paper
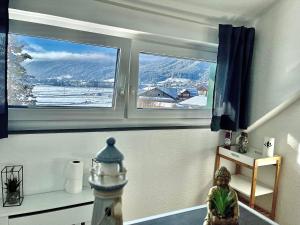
[74, 175]
[74, 170]
[73, 186]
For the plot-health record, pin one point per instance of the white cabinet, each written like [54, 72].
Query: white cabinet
[53, 208]
[4, 220]
[76, 215]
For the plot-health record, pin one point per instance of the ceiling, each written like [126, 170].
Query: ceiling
[212, 11]
[166, 18]
[209, 12]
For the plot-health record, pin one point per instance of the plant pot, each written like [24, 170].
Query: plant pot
[13, 197]
[223, 221]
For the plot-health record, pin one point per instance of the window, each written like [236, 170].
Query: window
[60, 78]
[173, 83]
[47, 72]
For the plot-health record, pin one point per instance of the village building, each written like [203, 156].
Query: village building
[186, 93]
[202, 90]
[155, 98]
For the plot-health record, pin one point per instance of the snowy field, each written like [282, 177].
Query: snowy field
[73, 96]
[47, 95]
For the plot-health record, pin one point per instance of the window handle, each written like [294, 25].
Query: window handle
[122, 91]
[132, 91]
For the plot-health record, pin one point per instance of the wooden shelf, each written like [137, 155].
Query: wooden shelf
[46, 201]
[247, 158]
[249, 186]
[242, 184]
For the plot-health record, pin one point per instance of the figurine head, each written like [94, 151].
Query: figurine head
[222, 177]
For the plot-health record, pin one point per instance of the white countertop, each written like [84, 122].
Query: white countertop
[46, 201]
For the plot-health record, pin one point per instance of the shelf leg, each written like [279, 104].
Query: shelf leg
[217, 165]
[276, 183]
[253, 186]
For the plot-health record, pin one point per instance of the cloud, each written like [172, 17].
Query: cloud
[54, 55]
[34, 48]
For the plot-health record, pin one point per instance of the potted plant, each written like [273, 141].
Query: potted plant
[12, 190]
[223, 202]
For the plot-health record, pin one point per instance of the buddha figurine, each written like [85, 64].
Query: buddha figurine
[217, 215]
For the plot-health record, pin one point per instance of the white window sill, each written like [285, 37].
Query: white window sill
[25, 126]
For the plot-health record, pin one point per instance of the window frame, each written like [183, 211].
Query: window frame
[123, 116]
[178, 50]
[48, 113]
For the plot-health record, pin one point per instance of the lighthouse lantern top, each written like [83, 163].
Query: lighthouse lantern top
[110, 154]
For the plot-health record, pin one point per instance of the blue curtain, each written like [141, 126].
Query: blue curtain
[3, 67]
[231, 92]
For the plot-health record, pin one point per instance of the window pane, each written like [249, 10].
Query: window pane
[46, 72]
[174, 83]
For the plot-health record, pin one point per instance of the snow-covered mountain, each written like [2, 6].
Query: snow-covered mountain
[174, 82]
[173, 70]
[164, 72]
[76, 69]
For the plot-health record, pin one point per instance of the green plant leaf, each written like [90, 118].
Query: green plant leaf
[223, 201]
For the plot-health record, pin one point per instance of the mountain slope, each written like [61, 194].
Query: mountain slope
[150, 72]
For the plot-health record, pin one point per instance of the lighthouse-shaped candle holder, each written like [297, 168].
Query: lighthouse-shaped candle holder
[108, 178]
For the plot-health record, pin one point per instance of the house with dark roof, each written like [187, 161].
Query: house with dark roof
[184, 94]
[157, 93]
[154, 98]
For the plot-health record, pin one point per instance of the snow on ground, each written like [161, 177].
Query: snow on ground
[175, 81]
[47, 95]
[111, 80]
[156, 99]
[197, 101]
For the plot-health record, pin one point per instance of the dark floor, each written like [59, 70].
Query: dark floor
[197, 216]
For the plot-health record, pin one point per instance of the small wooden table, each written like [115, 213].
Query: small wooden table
[250, 187]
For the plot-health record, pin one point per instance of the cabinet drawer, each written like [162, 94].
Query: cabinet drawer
[237, 156]
[76, 215]
[4, 220]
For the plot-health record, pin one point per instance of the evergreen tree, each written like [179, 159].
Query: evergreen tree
[18, 84]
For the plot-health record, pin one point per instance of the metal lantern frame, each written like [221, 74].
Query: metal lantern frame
[8, 172]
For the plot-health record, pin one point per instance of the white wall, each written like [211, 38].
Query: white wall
[286, 130]
[276, 69]
[106, 14]
[167, 169]
[276, 63]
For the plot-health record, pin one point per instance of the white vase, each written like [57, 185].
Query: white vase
[268, 148]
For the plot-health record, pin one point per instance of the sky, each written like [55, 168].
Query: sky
[50, 49]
